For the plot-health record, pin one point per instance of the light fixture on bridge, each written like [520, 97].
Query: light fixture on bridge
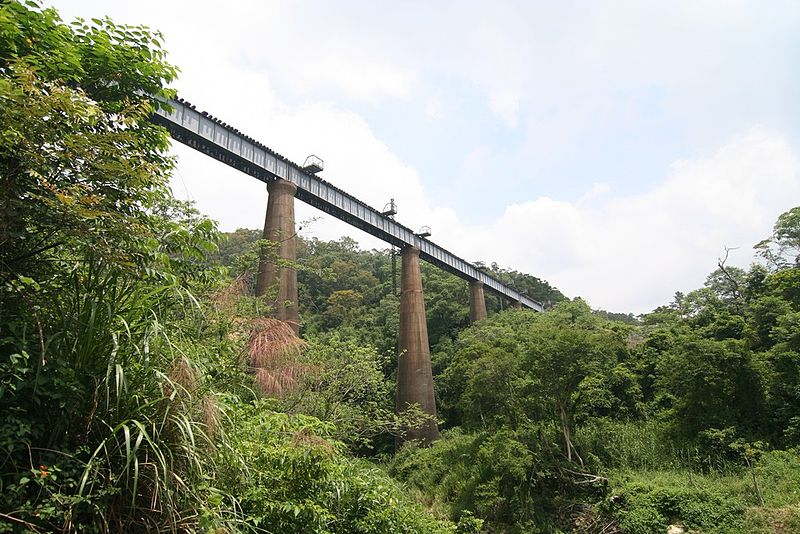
[313, 164]
[390, 209]
[425, 231]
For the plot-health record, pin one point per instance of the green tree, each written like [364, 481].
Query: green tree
[568, 345]
[289, 475]
[96, 259]
[235, 244]
[782, 248]
[446, 303]
[81, 168]
[521, 367]
[526, 284]
[714, 384]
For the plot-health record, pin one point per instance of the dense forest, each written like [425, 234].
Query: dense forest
[143, 387]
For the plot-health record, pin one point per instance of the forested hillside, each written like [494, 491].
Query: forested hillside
[579, 420]
[143, 387]
[346, 289]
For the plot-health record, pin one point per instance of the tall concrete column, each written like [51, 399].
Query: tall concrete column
[414, 375]
[477, 302]
[279, 228]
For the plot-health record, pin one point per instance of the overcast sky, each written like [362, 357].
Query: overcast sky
[611, 148]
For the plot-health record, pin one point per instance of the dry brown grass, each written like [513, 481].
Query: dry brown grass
[272, 342]
[225, 299]
[279, 381]
[211, 416]
[306, 438]
[273, 350]
[182, 378]
[226, 303]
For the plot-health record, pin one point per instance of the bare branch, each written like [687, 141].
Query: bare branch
[589, 478]
[28, 525]
[731, 279]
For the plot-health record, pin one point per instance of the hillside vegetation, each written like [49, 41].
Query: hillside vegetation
[143, 388]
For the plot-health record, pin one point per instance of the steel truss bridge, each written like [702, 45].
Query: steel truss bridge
[224, 143]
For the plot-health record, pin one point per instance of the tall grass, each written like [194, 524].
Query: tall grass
[658, 479]
[141, 411]
[272, 352]
[634, 445]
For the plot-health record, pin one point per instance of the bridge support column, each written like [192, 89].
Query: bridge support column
[477, 301]
[414, 375]
[279, 228]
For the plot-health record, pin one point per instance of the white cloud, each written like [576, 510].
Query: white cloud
[434, 108]
[630, 253]
[505, 103]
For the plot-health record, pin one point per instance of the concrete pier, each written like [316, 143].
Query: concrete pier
[272, 269]
[477, 301]
[414, 375]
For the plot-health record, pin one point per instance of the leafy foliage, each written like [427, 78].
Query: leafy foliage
[652, 508]
[782, 249]
[345, 385]
[127, 403]
[139, 380]
[290, 476]
[705, 386]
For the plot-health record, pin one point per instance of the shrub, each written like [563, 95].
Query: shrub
[648, 508]
[289, 476]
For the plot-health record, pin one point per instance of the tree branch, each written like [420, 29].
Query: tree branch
[589, 478]
[731, 279]
[30, 526]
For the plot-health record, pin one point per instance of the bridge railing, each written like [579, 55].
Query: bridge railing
[211, 136]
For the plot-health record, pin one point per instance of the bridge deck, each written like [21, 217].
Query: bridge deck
[206, 134]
